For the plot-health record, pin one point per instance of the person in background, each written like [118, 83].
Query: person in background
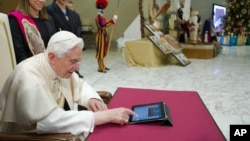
[65, 18]
[183, 26]
[35, 94]
[31, 27]
[102, 43]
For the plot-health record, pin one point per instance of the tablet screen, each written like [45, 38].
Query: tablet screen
[147, 112]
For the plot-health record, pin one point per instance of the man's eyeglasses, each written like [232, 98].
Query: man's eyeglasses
[73, 62]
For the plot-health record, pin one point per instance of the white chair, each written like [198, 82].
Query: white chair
[8, 60]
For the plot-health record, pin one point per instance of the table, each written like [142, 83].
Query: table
[191, 119]
[144, 54]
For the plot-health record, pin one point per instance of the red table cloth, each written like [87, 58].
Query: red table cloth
[191, 119]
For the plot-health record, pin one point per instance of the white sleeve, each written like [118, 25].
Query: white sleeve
[87, 92]
[60, 121]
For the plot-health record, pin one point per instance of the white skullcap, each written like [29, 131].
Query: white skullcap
[65, 38]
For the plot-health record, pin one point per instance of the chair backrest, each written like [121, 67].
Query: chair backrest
[8, 60]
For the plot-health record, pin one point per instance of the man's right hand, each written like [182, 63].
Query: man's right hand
[116, 115]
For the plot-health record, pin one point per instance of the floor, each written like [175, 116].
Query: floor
[222, 82]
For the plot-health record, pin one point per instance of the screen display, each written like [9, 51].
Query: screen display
[147, 112]
[219, 12]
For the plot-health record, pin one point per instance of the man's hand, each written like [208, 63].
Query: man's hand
[97, 105]
[116, 115]
[113, 21]
[115, 17]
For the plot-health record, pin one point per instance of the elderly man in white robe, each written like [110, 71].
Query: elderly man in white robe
[34, 95]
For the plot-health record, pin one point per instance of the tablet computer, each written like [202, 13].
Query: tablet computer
[149, 112]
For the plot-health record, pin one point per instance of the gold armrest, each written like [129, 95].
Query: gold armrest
[106, 96]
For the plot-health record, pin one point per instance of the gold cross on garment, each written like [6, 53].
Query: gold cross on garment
[57, 92]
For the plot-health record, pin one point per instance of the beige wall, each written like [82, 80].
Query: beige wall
[6, 5]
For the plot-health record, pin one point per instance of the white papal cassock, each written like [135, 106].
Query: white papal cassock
[28, 103]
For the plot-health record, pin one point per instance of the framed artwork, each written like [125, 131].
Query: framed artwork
[169, 45]
[166, 44]
[161, 44]
[153, 30]
[182, 58]
[172, 42]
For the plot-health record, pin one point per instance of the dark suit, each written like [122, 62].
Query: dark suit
[73, 23]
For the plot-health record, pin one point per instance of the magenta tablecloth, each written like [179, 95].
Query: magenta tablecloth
[191, 119]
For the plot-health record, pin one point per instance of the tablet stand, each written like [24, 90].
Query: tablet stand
[168, 120]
